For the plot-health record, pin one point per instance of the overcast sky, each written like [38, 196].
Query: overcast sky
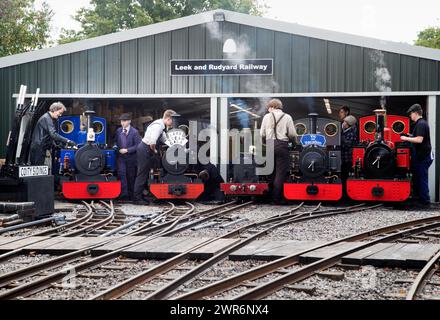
[394, 20]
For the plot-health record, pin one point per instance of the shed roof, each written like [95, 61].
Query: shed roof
[205, 17]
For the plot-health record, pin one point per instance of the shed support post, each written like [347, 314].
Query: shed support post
[213, 147]
[224, 137]
[431, 117]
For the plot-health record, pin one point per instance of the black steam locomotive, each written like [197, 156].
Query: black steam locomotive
[178, 176]
[315, 172]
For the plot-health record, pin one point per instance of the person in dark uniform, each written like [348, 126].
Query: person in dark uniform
[147, 151]
[211, 179]
[349, 138]
[278, 127]
[45, 134]
[422, 157]
[127, 139]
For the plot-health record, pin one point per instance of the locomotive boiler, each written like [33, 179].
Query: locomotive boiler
[315, 172]
[381, 162]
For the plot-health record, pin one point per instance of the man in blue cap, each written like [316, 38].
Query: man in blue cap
[422, 157]
[127, 139]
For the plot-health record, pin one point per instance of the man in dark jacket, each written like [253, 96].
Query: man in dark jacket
[127, 139]
[422, 157]
[45, 134]
[348, 140]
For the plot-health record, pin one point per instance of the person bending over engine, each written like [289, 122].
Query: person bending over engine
[147, 150]
[45, 134]
[212, 179]
[278, 127]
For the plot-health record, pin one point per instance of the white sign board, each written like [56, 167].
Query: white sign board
[33, 171]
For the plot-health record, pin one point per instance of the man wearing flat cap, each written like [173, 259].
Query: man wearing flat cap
[422, 157]
[126, 141]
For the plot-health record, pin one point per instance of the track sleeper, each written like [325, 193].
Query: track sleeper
[337, 276]
[302, 288]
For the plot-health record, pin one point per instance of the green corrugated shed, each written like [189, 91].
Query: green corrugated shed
[137, 62]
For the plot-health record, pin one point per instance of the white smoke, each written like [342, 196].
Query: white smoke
[256, 84]
[381, 73]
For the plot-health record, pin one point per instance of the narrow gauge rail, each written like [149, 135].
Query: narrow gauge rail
[277, 267]
[90, 220]
[94, 219]
[167, 228]
[246, 233]
[423, 278]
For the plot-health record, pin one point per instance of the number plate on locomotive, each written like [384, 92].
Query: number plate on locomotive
[33, 171]
[313, 139]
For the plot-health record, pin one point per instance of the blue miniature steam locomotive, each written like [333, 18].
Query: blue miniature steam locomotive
[88, 171]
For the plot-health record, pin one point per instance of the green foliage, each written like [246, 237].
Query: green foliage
[429, 37]
[22, 27]
[108, 16]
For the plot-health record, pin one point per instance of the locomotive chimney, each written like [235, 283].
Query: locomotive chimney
[176, 120]
[89, 114]
[313, 122]
[90, 131]
[380, 123]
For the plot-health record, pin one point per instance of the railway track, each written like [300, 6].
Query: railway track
[284, 277]
[96, 217]
[246, 235]
[166, 224]
[423, 279]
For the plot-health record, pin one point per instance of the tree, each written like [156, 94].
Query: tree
[108, 16]
[429, 37]
[23, 27]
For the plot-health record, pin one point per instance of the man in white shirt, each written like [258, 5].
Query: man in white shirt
[279, 127]
[147, 149]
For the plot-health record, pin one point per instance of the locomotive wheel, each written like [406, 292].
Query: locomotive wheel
[379, 161]
[89, 160]
[313, 162]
